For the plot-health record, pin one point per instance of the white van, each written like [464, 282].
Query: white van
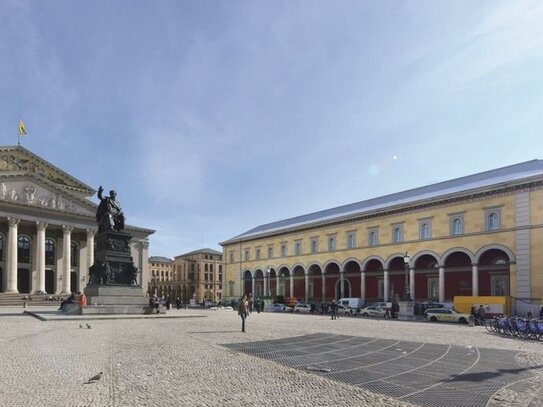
[354, 303]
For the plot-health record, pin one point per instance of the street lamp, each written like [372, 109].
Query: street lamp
[406, 291]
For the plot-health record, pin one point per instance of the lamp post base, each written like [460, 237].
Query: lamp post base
[407, 310]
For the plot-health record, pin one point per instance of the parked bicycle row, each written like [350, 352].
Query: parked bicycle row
[525, 328]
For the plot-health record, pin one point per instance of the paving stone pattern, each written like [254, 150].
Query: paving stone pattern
[182, 362]
[422, 373]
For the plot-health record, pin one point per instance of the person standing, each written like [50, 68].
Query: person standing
[178, 303]
[242, 311]
[82, 300]
[481, 313]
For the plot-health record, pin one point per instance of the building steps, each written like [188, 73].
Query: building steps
[17, 300]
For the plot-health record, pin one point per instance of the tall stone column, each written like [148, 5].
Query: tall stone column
[363, 286]
[306, 286]
[265, 293]
[342, 283]
[253, 285]
[40, 256]
[90, 254]
[143, 264]
[441, 283]
[386, 285]
[67, 260]
[291, 284]
[323, 287]
[277, 284]
[11, 281]
[474, 280]
[412, 283]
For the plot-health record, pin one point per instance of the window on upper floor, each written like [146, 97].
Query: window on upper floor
[298, 247]
[257, 254]
[231, 257]
[247, 256]
[351, 240]
[270, 252]
[457, 226]
[314, 245]
[373, 238]
[283, 250]
[331, 243]
[493, 220]
[397, 234]
[425, 230]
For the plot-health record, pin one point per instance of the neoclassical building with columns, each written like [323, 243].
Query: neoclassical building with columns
[477, 235]
[48, 228]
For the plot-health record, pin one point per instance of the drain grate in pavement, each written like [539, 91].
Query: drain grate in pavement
[421, 373]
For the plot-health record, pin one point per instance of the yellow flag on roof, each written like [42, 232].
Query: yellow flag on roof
[22, 128]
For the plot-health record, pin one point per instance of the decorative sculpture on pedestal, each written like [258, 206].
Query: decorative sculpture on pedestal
[113, 264]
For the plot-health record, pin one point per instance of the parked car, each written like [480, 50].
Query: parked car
[278, 307]
[382, 304]
[374, 311]
[444, 314]
[302, 308]
[347, 311]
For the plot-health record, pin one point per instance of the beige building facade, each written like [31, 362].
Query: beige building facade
[197, 276]
[473, 236]
[161, 275]
[47, 227]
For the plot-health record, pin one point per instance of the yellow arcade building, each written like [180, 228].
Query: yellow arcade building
[479, 235]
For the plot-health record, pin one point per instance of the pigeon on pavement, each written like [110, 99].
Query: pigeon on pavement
[95, 378]
[88, 326]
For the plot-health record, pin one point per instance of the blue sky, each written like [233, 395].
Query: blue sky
[212, 117]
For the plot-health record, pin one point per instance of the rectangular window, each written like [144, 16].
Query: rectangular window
[331, 243]
[247, 255]
[351, 240]
[283, 250]
[298, 248]
[373, 237]
[231, 257]
[456, 225]
[257, 254]
[425, 229]
[270, 252]
[493, 221]
[397, 233]
[314, 245]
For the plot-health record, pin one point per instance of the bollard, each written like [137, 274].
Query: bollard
[471, 320]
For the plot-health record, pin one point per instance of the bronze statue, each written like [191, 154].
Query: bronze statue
[109, 214]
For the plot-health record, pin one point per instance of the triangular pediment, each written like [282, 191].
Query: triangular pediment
[18, 160]
[35, 192]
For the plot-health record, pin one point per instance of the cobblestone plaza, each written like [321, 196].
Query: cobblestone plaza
[202, 359]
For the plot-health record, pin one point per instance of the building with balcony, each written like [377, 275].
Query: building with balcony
[473, 236]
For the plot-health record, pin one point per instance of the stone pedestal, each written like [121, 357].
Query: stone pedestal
[407, 310]
[113, 280]
[103, 299]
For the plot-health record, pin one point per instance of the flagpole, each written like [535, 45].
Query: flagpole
[19, 132]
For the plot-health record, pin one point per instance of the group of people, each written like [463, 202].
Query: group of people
[80, 299]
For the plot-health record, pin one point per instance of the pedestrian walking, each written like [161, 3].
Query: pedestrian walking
[333, 310]
[242, 311]
[481, 313]
[178, 303]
